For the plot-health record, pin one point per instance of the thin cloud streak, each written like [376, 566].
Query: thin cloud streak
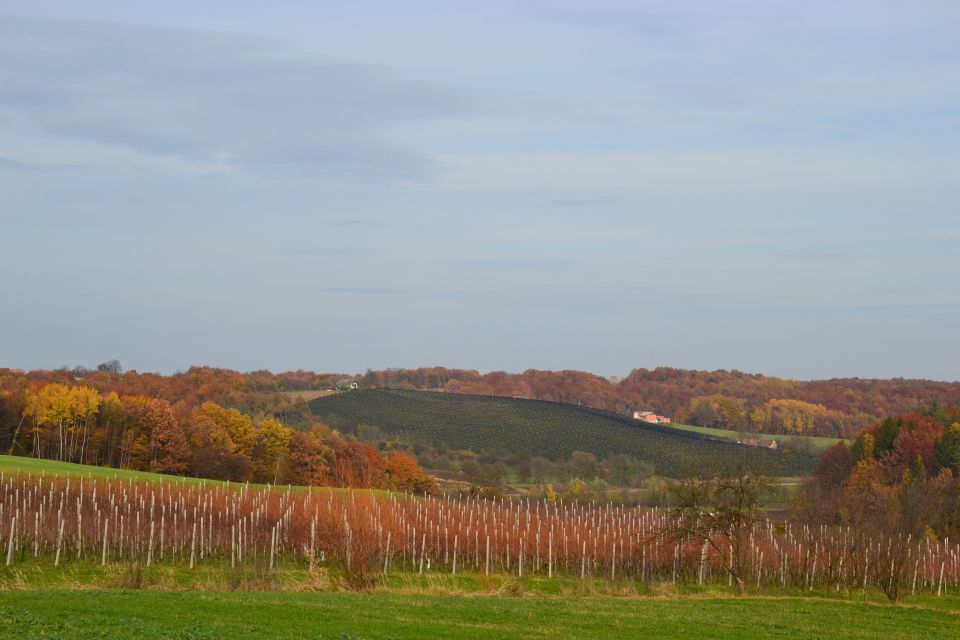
[364, 291]
[325, 252]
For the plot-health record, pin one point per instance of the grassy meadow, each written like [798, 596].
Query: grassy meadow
[818, 443]
[307, 395]
[14, 464]
[34, 614]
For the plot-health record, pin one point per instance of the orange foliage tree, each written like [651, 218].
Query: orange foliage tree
[404, 474]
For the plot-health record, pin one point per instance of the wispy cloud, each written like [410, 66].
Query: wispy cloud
[725, 171]
[324, 252]
[246, 102]
[645, 22]
[351, 223]
[581, 202]
[509, 263]
[589, 303]
[364, 291]
[11, 165]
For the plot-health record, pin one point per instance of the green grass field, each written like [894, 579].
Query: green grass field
[52, 467]
[38, 466]
[81, 614]
[41, 466]
[510, 428]
[817, 442]
[13, 464]
[307, 395]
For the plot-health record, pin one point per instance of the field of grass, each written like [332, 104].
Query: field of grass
[817, 442]
[81, 614]
[10, 464]
[41, 466]
[515, 428]
[308, 395]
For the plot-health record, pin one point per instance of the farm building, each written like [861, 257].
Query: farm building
[651, 417]
[758, 442]
[346, 385]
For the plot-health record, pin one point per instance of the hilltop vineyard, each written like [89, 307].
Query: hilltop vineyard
[510, 427]
[362, 534]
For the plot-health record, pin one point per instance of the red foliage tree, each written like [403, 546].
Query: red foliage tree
[169, 448]
[358, 465]
[404, 474]
[915, 446]
[308, 460]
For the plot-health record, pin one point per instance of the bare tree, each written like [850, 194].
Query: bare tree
[905, 515]
[111, 366]
[720, 512]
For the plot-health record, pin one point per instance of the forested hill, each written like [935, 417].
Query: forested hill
[840, 407]
[516, 429]
[724, 399]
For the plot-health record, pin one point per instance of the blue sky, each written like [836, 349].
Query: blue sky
[766, 186]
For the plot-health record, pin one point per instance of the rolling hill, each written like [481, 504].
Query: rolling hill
[513, 428]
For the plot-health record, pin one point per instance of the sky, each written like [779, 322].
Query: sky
[762, 185]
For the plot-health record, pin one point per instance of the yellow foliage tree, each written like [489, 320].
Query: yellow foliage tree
[61, 416]
[225, 429]
[272, 439]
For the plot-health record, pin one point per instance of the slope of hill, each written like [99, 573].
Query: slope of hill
[21, 464]
[37, 466]
[814, 443]
[513, 428]
[18, 465]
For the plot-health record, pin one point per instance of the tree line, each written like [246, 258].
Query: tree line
[899, 478]
[79, 423]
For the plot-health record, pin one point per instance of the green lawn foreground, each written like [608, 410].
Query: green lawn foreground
[13, 464]
[29, 614]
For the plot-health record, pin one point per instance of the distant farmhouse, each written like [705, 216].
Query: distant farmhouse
[346, 385]
[758, 442]
[651, 417]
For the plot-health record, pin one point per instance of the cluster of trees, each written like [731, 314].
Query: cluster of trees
[899, 477]
[718, 411]
[579, 478]
[619, 470]
[786, 416]
[257, 392]
[78, 423]
[797, 417]
[489, 476]
[599, 491]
